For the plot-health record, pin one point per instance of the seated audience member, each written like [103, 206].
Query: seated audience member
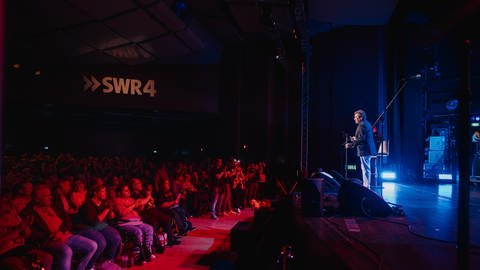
[69, 213]
[22, 195]
[49, 232]
[112, 187]
[184, 185]
[129, 221]
[95, 214]
[15, 254]
[150, 213]
[78, 195]
[169, 202]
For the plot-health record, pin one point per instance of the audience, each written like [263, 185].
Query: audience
[95, 214]
[169, 202]
[149, 212]
[51, 233]
[130, 222]
[15, 254]
[113, 199]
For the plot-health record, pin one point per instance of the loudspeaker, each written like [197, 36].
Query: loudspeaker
[330, 185]
[242, 237]
[312, 197]
[357, 200]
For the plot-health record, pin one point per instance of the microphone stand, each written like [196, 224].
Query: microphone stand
[402, 83]
[391, 101]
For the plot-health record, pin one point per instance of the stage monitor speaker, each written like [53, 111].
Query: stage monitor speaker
[357, 200]
[330, 184]
[312, 197]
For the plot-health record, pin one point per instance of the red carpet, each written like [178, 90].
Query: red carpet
[207, 245]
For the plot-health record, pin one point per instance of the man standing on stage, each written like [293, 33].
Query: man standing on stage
[363, 140]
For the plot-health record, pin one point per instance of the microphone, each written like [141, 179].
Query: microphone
[415, 77]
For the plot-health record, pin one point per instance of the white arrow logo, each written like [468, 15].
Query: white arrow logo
[91, 83]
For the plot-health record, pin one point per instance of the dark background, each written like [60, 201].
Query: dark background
[228, 78]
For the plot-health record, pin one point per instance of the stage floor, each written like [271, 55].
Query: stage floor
[425, 238]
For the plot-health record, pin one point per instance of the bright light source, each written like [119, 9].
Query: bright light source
[389, 175]
[351, 167]
[37, 73]
[245, 146]
[389, 193]
[154, 151]
[45, 147]
[445, 190]
[475, 124]
[16, 66]
[445, 176]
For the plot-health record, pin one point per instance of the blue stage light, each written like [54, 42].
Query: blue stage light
[445, 190]
[387, 175]
[445, 176]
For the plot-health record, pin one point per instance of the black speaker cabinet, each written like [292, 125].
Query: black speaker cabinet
[357, 200]
[312, 197]
[242, 237]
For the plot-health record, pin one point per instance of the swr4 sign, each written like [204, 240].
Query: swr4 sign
[119, 86]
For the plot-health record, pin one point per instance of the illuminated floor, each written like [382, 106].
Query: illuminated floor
[425, 238]
[431, 208]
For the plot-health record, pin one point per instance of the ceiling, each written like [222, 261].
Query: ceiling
[136, 32]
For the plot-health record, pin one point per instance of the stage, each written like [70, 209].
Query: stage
[424, 238]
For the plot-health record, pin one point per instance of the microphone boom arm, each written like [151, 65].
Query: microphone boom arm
[404, 83]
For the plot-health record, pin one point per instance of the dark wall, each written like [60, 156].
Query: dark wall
[177, 88]
[53, 109]
[260, 104]
[344, 78]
